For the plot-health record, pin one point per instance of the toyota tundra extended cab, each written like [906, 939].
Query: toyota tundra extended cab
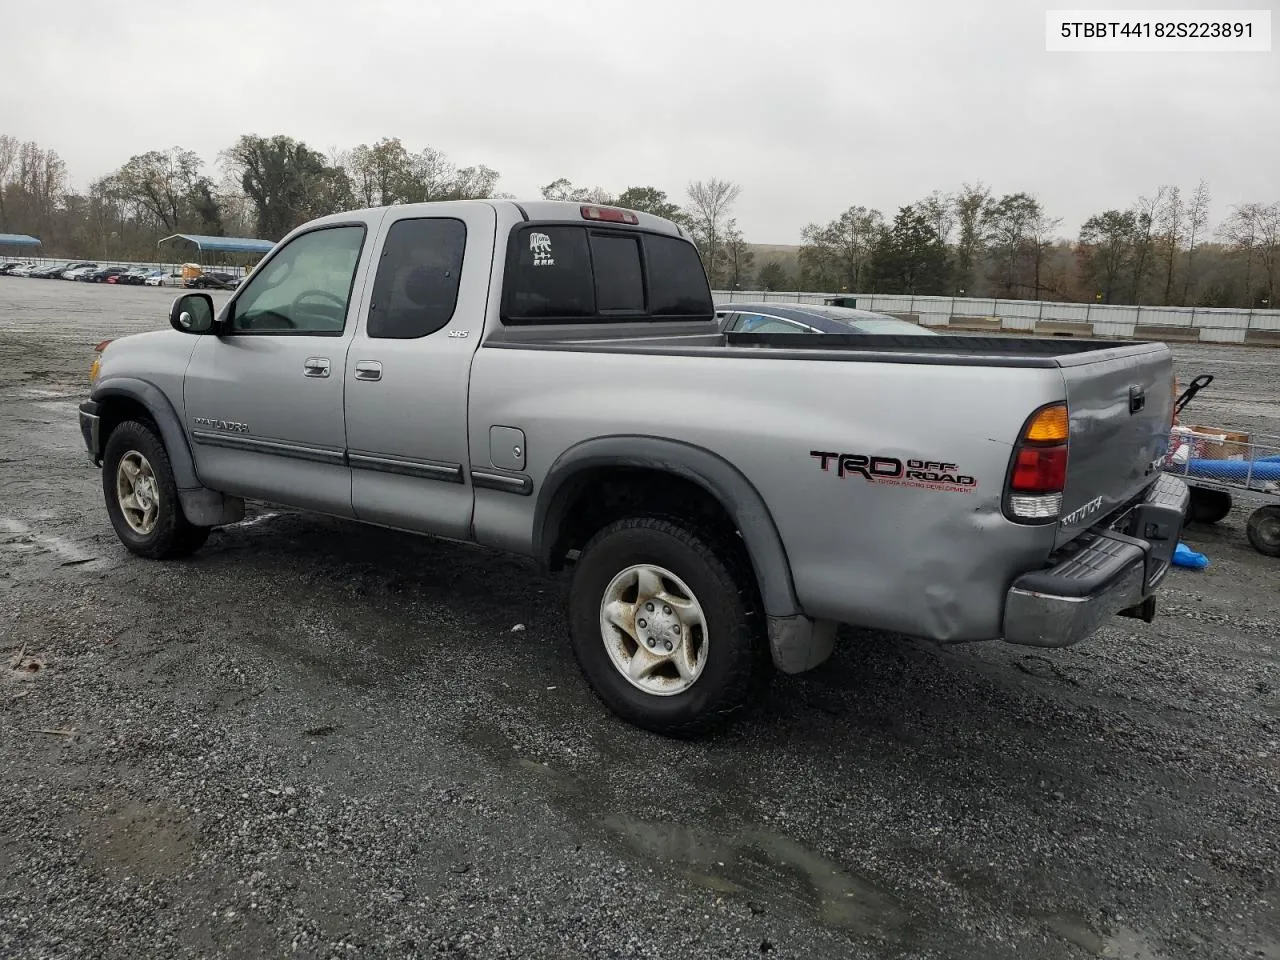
[551, 379]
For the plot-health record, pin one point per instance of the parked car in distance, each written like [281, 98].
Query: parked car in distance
[102, 274]
[50, 271]
[136, 276]
[811, 318]
[9, 266]
[79, 271]
[156, 278]
[213, 280]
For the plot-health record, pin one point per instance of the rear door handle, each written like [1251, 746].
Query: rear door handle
[368, 370]
[315, 367]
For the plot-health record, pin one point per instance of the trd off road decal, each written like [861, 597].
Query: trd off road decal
[929, 474]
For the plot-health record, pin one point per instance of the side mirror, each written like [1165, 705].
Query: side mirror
[192, 313]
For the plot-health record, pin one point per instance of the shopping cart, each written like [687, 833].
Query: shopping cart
[1221, 466]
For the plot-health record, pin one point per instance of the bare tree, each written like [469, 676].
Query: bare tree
[1019, 228]
[1197, 227]
[940, 210]
[1255, 229]
[1171, 222]
[9, 147]
[1245, 229]
[1146, 211]
[1040, 228]
[972, 204]
[836, 255]
[563, 189]
[710, 202]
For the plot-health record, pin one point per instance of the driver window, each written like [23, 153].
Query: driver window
[305, 288]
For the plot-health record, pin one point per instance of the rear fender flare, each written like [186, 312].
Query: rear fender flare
[717, 476]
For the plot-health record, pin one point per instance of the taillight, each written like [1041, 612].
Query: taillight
[609, 215]
[1039, 471]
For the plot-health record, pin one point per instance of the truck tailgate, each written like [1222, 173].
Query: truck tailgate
[1120, 403]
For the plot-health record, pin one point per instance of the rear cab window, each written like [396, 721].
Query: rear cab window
[570, 273]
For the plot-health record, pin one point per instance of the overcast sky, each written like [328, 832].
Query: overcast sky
[810, 106]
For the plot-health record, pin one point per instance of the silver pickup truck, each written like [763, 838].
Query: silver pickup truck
[551, 379]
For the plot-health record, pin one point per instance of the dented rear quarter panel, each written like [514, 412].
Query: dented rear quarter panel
[921, 560]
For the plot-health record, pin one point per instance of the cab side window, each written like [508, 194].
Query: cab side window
[416, 289]
[305, 288]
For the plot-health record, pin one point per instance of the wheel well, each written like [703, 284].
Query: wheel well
[113, 411]
[594, 498]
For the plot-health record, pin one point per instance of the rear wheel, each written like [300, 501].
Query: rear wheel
[142, 495]
[1264, 530]
[666, 626]
[1208, 506]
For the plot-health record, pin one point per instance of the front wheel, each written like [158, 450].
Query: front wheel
[142, 495]
[1264, 530]
[666, 625]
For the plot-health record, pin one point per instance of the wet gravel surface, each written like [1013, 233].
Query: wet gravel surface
[318, 740]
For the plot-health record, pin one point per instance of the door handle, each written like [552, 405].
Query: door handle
[315, 367]
[368, 370]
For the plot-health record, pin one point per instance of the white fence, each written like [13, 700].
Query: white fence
[1207, 324]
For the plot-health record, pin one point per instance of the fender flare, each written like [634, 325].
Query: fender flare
[725, 482]
[166, 419]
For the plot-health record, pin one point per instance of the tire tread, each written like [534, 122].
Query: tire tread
[750, 669]
[176, 536]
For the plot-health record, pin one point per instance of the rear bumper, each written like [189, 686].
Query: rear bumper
[1109, 570]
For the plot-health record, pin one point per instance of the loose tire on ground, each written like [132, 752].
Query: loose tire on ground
[1208, 506]
[142, 495]
[648, 569]
[1264, 530]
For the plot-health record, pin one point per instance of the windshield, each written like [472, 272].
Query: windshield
[888, 325]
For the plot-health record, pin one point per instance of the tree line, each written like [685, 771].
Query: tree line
[266, 186]
[1162, 249]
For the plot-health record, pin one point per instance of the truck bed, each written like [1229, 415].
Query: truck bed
[1118, 395]
[948, 349]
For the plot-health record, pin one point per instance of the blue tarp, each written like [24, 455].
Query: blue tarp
[17, 240]
[224, 244]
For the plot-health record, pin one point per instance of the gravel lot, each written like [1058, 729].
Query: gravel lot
[318, 740]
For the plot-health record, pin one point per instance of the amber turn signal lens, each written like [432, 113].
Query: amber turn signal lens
[1050, 425]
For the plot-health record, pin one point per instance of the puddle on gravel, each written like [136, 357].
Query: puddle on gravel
[773, 869]
[139, 839]
[1123, 943]
[20, 537]
[1127, 944]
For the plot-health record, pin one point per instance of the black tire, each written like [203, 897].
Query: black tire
[1264, 530]
[172, 535]
[1208, 506]
[737, 666]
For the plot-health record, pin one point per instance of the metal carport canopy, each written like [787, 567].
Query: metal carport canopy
[18, 240]
[224, 244]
